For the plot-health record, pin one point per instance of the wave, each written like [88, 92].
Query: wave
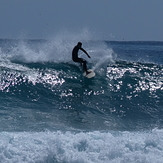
[132, 75]
[50, 113]
[118, 92]
[39, 81]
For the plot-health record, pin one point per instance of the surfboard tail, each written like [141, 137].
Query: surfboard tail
[89, 75]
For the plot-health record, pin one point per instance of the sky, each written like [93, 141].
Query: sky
[128, 20]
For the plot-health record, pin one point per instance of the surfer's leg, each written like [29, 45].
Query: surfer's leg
[79, 60]
[81, 64]
[84, 65]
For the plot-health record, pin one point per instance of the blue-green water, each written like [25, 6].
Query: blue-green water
[50, 113]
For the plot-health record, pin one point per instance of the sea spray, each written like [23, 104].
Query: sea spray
[59, 49]
[104, 59]
[56, 49]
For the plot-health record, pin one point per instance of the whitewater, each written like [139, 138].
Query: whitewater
[50, 113]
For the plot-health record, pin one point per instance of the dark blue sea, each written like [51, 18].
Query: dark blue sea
[50, 113]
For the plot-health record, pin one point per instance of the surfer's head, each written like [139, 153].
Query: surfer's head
[79, 44]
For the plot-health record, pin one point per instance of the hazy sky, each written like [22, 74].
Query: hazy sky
[105, 19]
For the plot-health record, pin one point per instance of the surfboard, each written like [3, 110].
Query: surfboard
[90, 75]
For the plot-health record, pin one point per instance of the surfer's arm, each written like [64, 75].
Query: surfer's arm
[85, 52]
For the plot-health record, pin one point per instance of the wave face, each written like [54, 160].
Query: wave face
[44, 95]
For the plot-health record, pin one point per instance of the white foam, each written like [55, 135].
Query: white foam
[59, 49]
[82, 147]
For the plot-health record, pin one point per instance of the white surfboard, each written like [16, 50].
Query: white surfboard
[90, 75]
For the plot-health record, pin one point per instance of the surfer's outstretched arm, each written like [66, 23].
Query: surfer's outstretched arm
[85, 52]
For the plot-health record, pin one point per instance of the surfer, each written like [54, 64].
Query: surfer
[75, 57]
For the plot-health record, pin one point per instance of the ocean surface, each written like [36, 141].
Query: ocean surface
[50, 113]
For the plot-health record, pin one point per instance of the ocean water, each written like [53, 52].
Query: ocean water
[50, 113]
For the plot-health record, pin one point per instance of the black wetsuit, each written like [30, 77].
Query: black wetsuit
[75, 57]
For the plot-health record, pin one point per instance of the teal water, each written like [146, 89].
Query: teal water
[50, 113]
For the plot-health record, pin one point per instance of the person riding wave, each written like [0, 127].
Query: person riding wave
[75, 57]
